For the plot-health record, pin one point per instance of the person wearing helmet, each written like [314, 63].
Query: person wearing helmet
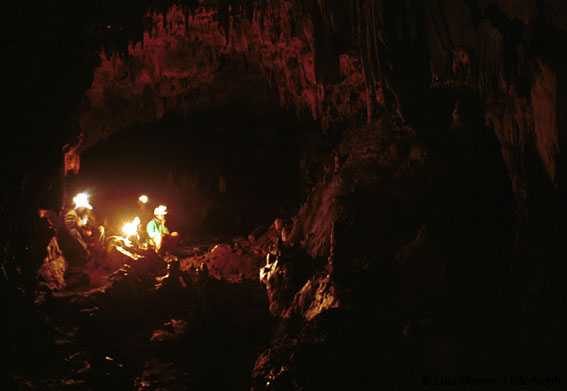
[73, 238]
[159, 236]
[145, 215]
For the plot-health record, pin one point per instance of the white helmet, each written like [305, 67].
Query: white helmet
[160, 210]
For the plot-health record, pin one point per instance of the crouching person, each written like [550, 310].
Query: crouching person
[75, 235]
[159, 236]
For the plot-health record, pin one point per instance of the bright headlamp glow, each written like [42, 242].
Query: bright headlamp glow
[143, 199]
[82, 200]
[160, 210]
[131, 228]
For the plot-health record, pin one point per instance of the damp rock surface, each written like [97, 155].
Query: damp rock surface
[149, 328]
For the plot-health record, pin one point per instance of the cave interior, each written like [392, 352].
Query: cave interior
[369, 194]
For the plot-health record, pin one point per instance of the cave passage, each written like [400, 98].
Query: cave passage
[198, 316]
[222, 173]
[131, 323]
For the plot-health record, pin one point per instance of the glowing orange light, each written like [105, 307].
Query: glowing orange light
[143, 199]
[82, 199]
[131, 228]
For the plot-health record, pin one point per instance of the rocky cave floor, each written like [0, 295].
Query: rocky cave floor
[156, 323]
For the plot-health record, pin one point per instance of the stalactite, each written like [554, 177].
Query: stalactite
[371, 76]
[163, 9]
[223, 17]
[186, 17]
[362, 53]
[379, 58]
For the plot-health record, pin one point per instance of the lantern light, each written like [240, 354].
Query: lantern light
[131, 228]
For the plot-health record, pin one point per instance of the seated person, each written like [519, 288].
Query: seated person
[77, 232]
[158, 234]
